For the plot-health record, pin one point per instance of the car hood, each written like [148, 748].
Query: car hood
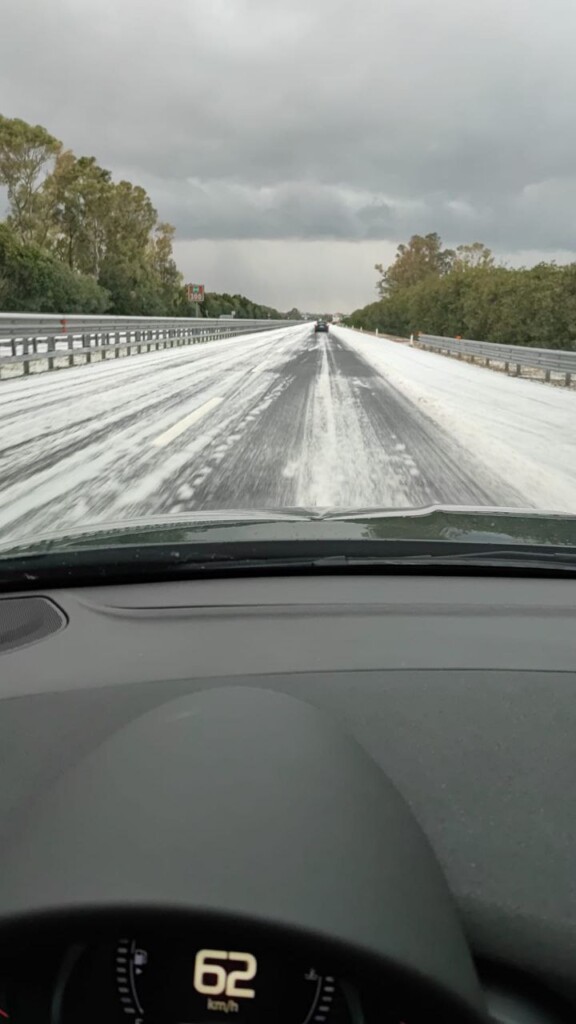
[435, 523]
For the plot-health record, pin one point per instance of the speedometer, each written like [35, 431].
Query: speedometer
[179, 983]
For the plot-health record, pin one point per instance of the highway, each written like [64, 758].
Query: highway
[277, 420]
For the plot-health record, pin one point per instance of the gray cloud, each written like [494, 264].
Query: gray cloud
[224, 209]
[331, 119]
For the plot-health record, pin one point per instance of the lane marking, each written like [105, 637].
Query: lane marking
[262, 366]
[178, 428]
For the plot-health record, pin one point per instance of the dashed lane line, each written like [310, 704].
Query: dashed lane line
[178, 428]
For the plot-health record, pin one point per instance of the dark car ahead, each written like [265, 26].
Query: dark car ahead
[321, 327]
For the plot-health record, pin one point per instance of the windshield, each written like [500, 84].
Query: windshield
[273, 260]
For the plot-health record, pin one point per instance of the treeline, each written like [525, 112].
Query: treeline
[225, 305]
[464, 292]
[76, 241]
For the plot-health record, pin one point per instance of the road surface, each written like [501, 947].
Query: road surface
[277, 420]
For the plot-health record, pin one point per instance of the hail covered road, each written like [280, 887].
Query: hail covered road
[277, 420]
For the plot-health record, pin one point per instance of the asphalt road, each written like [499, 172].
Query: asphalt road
[284, 419]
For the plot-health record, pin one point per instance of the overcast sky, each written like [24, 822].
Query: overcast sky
[294, 143]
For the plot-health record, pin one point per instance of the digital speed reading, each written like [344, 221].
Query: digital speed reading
[218, 973]
[178, 981]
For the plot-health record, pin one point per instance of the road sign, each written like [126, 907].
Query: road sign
[195, 292]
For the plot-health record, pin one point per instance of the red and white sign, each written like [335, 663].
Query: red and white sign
[195, 292]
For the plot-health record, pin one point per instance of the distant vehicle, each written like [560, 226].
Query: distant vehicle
[321, 327]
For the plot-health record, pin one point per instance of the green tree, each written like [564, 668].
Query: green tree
[216, 305]
[473, 256]
[27, 153]
[422, 257]
[127, 269]
[110, 232]
[133, 290]
[33, 279]
[79, 194]
[130, 221]
[477, 299]
[164, 267]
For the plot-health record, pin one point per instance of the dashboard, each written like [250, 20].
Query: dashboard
[172, 978]
[325, 801]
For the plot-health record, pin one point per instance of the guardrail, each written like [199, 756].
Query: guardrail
[549, 360]
[45, 342]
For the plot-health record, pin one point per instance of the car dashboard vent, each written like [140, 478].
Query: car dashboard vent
[26, 620]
